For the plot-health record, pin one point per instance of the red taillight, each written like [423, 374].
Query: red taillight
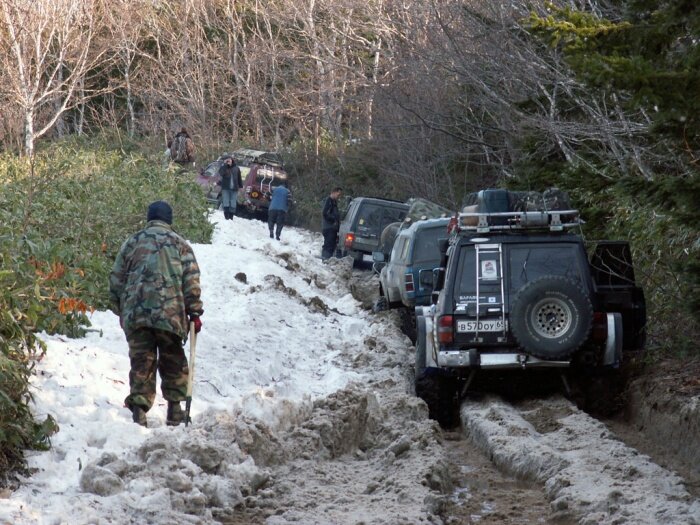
[445, 330]
[349, 239]
[599, 328]
[409, 282]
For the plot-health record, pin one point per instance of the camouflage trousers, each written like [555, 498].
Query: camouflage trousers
[151, 349]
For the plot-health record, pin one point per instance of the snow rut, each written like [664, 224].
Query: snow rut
[587, 472]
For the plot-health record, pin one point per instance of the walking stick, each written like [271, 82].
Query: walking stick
[190, 377]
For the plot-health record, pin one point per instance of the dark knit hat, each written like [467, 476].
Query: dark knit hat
[160, 211]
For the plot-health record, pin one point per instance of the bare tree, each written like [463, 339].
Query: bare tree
[49, 51]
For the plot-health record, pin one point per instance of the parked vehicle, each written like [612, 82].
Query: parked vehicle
[361, 228]
[406, 279]
[261, 172]
[418, 209]
[208, 178]
[516, 290]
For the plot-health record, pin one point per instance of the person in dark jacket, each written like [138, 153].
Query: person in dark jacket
[154, 289]
[181, 149]
[277, 212]
[230, 184]
[331, 223]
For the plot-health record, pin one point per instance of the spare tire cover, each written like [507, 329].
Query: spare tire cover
[551, 317]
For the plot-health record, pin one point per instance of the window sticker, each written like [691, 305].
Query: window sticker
[489, 269]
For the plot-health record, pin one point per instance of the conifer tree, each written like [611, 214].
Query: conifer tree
[646, 52]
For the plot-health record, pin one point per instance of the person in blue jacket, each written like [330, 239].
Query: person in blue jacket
[277, 212]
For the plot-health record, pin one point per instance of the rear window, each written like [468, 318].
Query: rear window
[392, 215]
[372, 218]
[530, 262]
[524, 263]
[425, 248]
[369, 220]
[269, 176]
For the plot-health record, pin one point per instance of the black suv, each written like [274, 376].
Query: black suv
[516, 290]
[363, 224]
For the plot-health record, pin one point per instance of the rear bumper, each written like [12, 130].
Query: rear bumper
[358, 255]
[492, 361]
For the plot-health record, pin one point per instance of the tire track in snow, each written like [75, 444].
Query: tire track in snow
[587, 472]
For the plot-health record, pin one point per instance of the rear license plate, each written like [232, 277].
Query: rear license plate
[492, 325]
[367, 257]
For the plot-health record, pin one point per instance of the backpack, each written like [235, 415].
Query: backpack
[181, 149]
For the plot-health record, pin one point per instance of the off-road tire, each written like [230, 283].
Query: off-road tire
[380, 304]
[438, 391]
[408, 323]
[551, 317]
[419, 367]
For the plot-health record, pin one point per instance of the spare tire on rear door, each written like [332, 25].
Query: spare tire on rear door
[551, 317]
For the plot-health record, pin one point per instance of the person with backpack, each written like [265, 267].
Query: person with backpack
[154, 289]
[182, 149]
[330, 223]
[277, 212]
[230, 182]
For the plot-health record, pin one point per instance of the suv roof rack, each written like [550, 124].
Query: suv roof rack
[552, 220]
[263, 157]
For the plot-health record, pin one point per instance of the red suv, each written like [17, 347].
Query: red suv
[261, 171]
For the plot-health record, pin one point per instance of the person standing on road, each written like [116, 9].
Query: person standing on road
[277, 212]
[331, 223]
[230, 184]
[154, 289]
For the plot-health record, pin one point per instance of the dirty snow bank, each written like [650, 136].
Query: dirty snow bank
[587, 472]
[301, 410]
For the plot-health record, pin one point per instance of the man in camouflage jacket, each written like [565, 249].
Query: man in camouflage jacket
[154, 289]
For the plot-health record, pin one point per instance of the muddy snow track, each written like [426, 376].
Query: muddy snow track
[365, 452]
[588, 474]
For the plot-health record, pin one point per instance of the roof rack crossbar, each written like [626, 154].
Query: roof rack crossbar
[552, 220]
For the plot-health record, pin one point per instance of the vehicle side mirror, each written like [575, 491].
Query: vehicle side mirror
[438, 276]
[443, 245]
[378, 257]
[426, 278]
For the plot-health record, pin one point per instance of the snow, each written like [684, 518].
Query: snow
[270, 347]
[303, 412]
[585, 469]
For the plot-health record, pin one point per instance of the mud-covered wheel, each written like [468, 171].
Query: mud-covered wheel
[408, 323]
[380, 304]
[438, 390]
[420, 349]
[551, 317]
[441, 395]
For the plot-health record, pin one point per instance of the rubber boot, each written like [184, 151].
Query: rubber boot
[175, 414]
[139, 415]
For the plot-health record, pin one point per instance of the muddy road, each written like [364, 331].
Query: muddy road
[367, 453]
[370, 455]
[539, 459]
